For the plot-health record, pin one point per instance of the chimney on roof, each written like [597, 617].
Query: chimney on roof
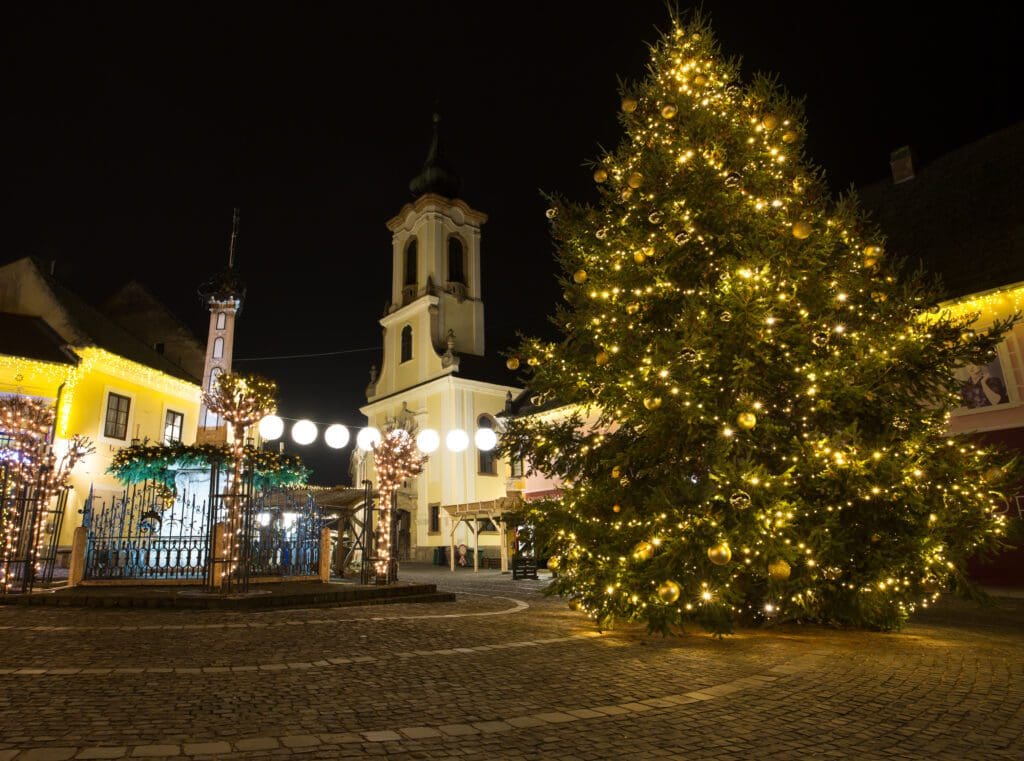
[902, 163]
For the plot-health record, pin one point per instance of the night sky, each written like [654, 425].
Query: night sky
[131, 130]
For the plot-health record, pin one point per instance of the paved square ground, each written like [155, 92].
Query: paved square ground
[505, 672]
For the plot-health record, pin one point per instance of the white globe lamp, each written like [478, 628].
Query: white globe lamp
[336, 436]
[304, 432]
[367, 438]
[428, 440]
[457, 440]
[271, 427]
[485, 439]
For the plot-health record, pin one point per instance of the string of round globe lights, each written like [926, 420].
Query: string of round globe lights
[337, 436]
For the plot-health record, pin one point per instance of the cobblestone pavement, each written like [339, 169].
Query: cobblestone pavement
[503, 673]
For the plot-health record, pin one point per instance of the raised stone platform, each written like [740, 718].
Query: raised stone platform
[285, 594]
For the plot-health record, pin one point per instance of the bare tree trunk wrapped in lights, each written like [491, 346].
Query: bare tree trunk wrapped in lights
[779, 385]
[242, 401]
[395, 459]
[32, 476]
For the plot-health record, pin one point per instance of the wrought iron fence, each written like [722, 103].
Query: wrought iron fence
[144, 534]
[29, 530]
[148, 533]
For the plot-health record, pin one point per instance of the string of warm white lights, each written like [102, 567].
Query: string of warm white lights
[337, 436]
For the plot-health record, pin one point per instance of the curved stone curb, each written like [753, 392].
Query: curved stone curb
[517, 607]
[279, 666]
[418, 733]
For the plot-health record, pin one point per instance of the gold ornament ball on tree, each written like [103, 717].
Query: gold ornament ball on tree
[629, 104]
[512, 363]
[635, 180]
[993, 474]
[802, 230]
[669, 592]
[789, 136]
[579, 277]
[638, 257]
[616, 471]
[602, 358]
[779, 569]
[626, 194]
[643, 551]
[616, 508]
[720, 554]
[652, 402]
[553, 563]
[669, 111]
[746, 420]
[770, 122]
[600, 174]
[575, 605]
[700, 80]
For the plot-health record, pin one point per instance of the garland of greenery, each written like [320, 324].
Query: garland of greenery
[142, 462]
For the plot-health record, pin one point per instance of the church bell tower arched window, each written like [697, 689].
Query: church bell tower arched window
[456, 260]
[411, 261]
[406, 343]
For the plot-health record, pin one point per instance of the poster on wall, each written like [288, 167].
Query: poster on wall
[982, 386]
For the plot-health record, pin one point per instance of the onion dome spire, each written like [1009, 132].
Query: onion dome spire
[437, 175]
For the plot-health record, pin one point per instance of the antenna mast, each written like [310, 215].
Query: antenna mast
[234, 239]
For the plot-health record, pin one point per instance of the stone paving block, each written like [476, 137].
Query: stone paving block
[611, 710]
[457, 730]
[658, 702]
[489, 727]
[48, 754]
[299, 741]
[525, 721]
[419, 733]
[700, 695]
[257, 743]
[207, 748]
[586, 713]
[149, 751]
[635, 707]
[382, 735]
[555, 717]
[102, 753]
[340, 738]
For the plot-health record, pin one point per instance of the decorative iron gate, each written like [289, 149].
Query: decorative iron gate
[30, 525]
[148, 534]
[143, 534]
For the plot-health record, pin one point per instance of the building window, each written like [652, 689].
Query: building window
[487, 461]
[173, 424]
[222, 320]
[218, 348]
[116, 424]
[517, 468]
[435, 519]
[411, 261]
[406, 343]
[456, 261]
[214, 377]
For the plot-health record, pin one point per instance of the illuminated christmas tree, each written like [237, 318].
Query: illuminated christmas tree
[767, 388]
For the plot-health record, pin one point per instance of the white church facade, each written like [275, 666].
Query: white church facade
[430, 372]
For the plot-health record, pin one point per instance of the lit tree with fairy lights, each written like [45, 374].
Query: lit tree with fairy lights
[395, 458]
[31, 475]
[771, 387]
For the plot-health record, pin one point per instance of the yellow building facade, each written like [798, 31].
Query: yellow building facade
[104, 383]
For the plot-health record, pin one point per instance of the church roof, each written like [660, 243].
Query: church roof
[437, 176]
[962, 215]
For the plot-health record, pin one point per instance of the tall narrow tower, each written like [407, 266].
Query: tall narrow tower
[223, 294]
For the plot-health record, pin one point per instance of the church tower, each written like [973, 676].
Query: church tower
[223, 295]
[434, 368]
